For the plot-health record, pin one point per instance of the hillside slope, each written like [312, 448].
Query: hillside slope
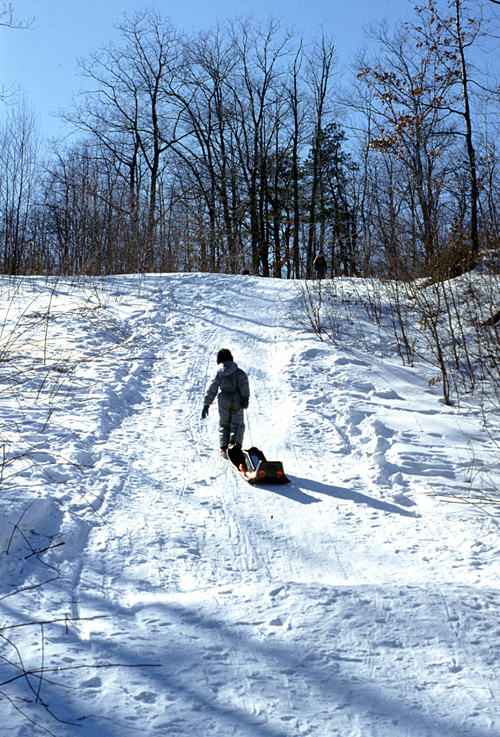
[349, 603]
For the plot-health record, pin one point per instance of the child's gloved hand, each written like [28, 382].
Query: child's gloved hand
[204, 412]
[245, 402]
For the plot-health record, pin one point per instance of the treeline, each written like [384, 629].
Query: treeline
[243, 148]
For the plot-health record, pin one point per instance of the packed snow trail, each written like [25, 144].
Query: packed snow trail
[348, 603]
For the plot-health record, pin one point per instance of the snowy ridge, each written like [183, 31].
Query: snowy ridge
[350, 603]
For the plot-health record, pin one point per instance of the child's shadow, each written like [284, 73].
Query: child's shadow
[299, 487]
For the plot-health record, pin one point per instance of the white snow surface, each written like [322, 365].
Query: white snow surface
[173, 599]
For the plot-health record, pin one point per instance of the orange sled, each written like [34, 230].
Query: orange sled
[253, 465]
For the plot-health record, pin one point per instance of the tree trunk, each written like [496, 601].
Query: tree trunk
[471, 154]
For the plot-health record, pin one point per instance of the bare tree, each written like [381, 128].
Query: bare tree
[208, 149]
[8, 19]
[260, 100]
[319, 78]
[450, 34]
[130, 110]
[85, 203]
[407, 98]
[297, 118]
[19, 177]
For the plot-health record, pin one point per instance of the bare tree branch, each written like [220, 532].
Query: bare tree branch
[8, 19]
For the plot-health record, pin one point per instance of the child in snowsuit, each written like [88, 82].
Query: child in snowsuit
[231, 383]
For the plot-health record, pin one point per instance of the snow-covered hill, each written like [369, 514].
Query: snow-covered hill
[170, 598]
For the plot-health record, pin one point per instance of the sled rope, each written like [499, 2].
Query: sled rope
[248, 426]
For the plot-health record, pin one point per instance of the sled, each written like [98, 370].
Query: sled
[254, 467]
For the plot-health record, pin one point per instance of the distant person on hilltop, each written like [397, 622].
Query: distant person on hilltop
[231, 383]
[320, 265]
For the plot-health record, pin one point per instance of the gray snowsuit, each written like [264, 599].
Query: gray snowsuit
[231, 383]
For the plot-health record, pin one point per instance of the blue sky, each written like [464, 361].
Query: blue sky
[42, 62]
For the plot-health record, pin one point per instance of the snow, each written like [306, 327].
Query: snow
[145, 589]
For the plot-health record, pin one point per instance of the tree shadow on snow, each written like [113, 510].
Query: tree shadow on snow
[297, 492]
[183, 640]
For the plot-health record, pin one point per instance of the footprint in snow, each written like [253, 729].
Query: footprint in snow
[387, 394]
[276, 622]
[92, 683]
[147, 697]
[382, 430]
[277, 591]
